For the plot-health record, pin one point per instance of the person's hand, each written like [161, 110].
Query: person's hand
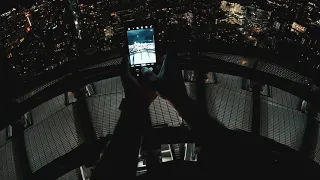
[136, 91]
[169, 82]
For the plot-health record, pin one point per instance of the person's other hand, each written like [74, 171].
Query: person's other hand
[169, 82]
[137, 91]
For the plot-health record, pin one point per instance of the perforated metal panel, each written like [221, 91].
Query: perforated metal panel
[281, 119]
[162, 112]
[229, 81]
[107, 86]
[51, 138]
[281, 72]
[47, 109]
[282, 124]
[104, 112]
[283, 98]
[317, 150]
[7, 167]
[37, 90]
[228, 103]
[235, 59]
[3, 136]
[110, 62]
[72, 175]
[191, 90]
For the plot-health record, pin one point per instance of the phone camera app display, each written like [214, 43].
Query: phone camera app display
[141, 46]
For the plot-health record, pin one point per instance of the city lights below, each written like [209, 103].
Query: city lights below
[63, 30]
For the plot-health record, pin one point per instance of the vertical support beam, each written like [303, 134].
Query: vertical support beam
[310, 136]
[182, 151]
[20, 156]
[151, 147]
[83, 121]
[255, 126]
[201, 89]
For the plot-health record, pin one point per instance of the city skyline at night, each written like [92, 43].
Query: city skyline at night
[48, 34]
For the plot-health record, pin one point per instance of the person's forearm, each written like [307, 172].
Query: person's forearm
[120, 157]
[197, 119]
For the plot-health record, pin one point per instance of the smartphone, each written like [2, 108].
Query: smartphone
[141, 46]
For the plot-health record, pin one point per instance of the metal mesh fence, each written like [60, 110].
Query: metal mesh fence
[317, 149]
[37, 90]
[280, 117]
[281, 72]
[7, 165]
[235, 59]
[111, 62]
[51, 138]
[228, 103]
[104, 111]
[54, 134]
[162, 112]
[72, 175]
[47, 109]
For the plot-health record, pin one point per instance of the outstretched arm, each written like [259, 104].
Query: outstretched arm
[170, 85]
[120, 157]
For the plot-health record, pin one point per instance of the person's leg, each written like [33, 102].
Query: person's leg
[120, 157]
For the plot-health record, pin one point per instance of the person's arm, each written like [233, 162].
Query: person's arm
[197, 118]
[120, 157]
[170, 85]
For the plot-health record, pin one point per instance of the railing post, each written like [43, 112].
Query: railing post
[310, 136]
[255, 126]
[82, 117]
[20, 156]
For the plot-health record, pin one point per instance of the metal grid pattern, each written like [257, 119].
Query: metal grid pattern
[3, 136]
[72, 175]
[281, 72]
[280, 118]
[228, 103]
[283, 98]
[51, 138]
[191, 90]
[7, 167]
[104, 112]
[317, 150]
[103, 107]
[235, 59]
[162, 112]
[111, 62]
[37, 90]
[261, 66]
[229, 81]
[107, 86]
[47, 109]
[282, 124]
[232, 108]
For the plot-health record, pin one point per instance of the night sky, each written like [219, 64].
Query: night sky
[7, 5]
